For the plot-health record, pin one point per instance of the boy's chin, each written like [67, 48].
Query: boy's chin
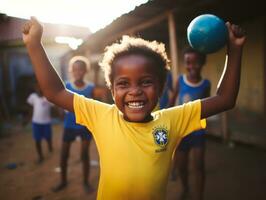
[137, 118]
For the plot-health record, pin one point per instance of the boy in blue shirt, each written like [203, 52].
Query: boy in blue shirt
[78, 67]
[189, 87]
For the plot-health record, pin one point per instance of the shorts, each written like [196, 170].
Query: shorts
[41, 131]
[192, 140]
[71, 134]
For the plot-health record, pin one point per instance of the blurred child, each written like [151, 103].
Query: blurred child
[189, 87]
[78, 68]
[41, 121]
[167, 92]
[135, 145]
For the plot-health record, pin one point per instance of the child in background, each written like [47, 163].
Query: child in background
[189, 87]
[135, 145]
[41, 121]
[78, 68]
[167, 92]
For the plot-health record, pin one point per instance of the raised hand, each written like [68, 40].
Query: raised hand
[32, 31]
[236, 34]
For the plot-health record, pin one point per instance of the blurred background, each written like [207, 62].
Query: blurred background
[235, 151]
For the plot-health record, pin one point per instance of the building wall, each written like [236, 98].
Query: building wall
[55, 52]
[252, 88]
[251, 94]
[17, 75]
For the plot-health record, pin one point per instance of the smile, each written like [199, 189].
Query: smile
[135, 104]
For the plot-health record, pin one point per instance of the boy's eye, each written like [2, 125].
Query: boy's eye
[147, 82]
[122, 83]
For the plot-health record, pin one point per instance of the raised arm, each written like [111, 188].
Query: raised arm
[49, 81]
[228, 86]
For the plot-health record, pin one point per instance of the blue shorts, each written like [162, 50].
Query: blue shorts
[41, 131]
[195, 139]
[70, 134]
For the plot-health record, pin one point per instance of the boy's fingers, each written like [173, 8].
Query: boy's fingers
[26, 28]
[34, 19]
[229, 28]
[32, 23]
[238, 31]
[228, 24]
[235, 31]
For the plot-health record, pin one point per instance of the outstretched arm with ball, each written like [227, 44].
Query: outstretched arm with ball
[228, 86]
[49, 81]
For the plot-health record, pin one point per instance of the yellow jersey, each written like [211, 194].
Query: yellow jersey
[135, 158]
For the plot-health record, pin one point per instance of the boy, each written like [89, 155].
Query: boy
[41, 121]
[78, 67]
[135, 145]
[167, 92]
[189, 87]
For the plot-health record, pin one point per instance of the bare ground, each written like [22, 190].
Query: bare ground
[231, 173]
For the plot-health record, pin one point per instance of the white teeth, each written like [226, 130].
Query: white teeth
[136, 105]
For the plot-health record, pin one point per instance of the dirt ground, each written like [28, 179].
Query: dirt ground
[231, 173]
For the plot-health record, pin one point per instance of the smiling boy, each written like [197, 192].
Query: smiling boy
[135, 145]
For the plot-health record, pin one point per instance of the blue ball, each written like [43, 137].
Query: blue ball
[207, 33]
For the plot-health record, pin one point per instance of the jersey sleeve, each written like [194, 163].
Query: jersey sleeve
[186, 118]
[30, 99]
[89, 112]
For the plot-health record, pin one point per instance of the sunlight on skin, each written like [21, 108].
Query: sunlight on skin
[93, 14]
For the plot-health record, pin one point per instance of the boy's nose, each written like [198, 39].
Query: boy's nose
[135, 90]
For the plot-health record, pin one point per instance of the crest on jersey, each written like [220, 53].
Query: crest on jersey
[160, 136]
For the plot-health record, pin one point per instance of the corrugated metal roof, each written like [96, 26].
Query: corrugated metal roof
[185, 11]
[130, 19]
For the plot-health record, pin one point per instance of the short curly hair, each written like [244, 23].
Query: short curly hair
[201, 56]
[131, 45]
[79, 59]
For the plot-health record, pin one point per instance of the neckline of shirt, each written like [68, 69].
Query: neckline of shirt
[140, 124]
[79, 88]
[192, 84]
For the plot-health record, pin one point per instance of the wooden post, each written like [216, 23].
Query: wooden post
[173, 45]
[264, 77]
[6, 87]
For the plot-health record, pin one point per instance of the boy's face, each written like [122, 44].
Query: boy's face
[192, 64]
[78, 71]
[135, 87]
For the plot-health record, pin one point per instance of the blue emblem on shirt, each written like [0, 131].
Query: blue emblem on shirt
[160, 136]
